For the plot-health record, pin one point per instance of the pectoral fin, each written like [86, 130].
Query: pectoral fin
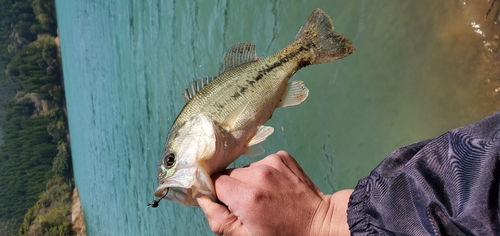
[296, 92]
[231, 119]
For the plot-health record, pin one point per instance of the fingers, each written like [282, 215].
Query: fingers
[292, 164]
[234, 191]
[253, 194]
[240, 187]
[250, 197]
[220, 219]
[284, 163]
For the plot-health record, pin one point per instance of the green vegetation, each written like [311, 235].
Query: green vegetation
[49, 215]
[36, 180]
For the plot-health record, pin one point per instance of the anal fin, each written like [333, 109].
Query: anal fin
[296, 92]
[262, 133]
[254, 148]
[254, 151]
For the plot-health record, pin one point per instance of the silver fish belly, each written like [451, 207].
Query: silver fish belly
[224, 115]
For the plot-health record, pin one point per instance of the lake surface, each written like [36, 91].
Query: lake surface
[412, 77]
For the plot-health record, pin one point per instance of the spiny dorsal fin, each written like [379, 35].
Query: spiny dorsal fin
[196, 86]
[237, 55]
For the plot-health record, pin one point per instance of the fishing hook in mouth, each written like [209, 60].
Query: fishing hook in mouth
[155, 203]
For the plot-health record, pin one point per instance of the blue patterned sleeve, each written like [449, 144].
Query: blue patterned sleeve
[443, 186]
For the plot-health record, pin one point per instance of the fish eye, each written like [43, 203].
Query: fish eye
[169, 160]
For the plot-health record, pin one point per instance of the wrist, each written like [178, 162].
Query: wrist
[330, 217]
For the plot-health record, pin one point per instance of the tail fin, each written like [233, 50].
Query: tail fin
[319, 34]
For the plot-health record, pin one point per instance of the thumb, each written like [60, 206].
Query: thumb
[220, 219]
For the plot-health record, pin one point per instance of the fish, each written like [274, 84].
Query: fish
[224, 115]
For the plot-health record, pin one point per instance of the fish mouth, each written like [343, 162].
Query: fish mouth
[162, 189]
[169, 191]
[161, 192]
[176, 194]
[185, 185]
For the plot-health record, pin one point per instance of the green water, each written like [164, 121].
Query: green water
[126, 63]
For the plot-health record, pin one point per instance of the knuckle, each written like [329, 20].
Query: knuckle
[257, 195]
[285, 156]
[264, 173]
[274, 160]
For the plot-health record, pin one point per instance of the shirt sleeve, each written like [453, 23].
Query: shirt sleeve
[443, 186]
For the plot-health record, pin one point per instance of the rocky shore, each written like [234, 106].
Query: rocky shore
[77, 216]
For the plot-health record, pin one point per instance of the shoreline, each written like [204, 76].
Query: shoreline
[78, 226]
[77, 216]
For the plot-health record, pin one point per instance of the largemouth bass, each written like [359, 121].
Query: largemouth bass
[224, 115]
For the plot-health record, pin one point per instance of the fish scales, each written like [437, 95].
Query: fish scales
[247, 83]
[224, 117]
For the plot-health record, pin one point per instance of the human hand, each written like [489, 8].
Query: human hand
[274, 197]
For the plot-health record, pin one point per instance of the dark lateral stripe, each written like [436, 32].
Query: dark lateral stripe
[242, 89]
[251, 82]
[236, 94]
[283, 60]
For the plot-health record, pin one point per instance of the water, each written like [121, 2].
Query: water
[126, 62]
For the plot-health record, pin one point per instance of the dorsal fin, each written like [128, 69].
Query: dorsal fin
[196, 86]
[237, 55]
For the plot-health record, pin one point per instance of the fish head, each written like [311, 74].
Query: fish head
[185, 166]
